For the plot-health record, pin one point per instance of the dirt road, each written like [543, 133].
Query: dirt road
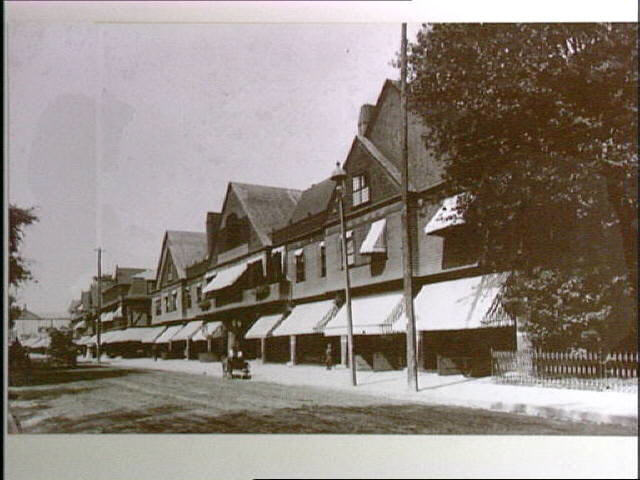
[92, 399]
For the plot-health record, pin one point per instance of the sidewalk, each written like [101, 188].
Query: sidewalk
[561, 404]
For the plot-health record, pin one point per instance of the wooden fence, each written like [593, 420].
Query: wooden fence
[579, 370]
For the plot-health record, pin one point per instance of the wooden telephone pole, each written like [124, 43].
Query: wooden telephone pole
[412, 365]
[99, 318]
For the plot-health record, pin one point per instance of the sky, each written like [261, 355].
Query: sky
[119, 129]
[118, 132]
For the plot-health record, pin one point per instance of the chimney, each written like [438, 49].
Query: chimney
[213, 222]
[366, 112]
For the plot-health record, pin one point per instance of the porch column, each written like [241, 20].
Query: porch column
[420, 349]
[231, 340]
[344, 342]
[292, 349]
[188, 348]
[209, 344]
[263, 349]
[169, 345]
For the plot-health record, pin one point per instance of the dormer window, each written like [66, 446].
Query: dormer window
[360, 190]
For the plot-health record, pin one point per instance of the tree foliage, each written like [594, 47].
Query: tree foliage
[19, 272]
[538, 122]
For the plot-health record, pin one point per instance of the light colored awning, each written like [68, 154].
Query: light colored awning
[80, 325]
[298, 252]
[375, 242]
[449, 215]
[112, 336]
[118, 312]
[306, 318]
[263, 327]
[168, 334]
[42, 342]
[208, 330]
[150, 334]
[458, 305]
[83, 340]
[188, 331]
[371, 315]
[107, 316]
[226, 277]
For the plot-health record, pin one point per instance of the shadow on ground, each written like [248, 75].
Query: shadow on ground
[44, 375]
[380, 419]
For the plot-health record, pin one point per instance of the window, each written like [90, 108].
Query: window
[323, 260]
[299, 265]
[198, 293]
[187, 298]
[174, 301]
[351, 248]
[360, 190]
[166, 303]
[159, 306]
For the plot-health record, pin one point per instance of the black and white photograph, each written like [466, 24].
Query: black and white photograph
[284, 232]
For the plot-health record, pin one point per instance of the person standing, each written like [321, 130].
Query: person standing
[328, 357]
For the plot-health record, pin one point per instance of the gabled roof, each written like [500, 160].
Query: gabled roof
[313, 200]
[28, 315]
[74, 304]
[268, 208]
[186, 249]
[148, 274]
[123, 275]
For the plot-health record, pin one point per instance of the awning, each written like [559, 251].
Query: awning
[298, 252]
[263, 327]
[168, 334]
[150, 334]
[93, 340]
[188, 331]
[118, 312]
[42, 342]
[306, 318]
[371, 315]
[106, 317]
[226, 277]
[83, 340]
[449, 215]
[458, 305]
[375, 242]
[112, 336]
[208, 330]
[80, 325]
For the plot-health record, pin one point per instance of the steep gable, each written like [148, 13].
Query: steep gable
[180, 250]
[383, 131]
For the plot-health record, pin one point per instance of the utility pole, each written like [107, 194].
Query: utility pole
[339, 176]
[99, 318]
[412, 365]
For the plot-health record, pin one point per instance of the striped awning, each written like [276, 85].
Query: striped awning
[371, 315]
[225, 277]
[375, 242]
[208, 330]
[187, 331]
[460, 304]
[264, 326]
[306, 319]
[449, 215]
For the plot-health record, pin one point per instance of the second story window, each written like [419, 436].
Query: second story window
[299, 256]
[187, 297]
[322, 252]
[174, 301]
[351, 249]
[360, 190]
[199, 293]
[158, 303]
[166, 304]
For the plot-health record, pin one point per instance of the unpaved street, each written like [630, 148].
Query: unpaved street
[93, 399]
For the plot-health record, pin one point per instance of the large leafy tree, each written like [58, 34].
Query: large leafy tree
[538, 123]
[19, 271]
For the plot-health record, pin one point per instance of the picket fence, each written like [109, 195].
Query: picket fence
[578, 370]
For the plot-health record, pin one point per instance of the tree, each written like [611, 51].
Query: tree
[538, 123]
[19, 272]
